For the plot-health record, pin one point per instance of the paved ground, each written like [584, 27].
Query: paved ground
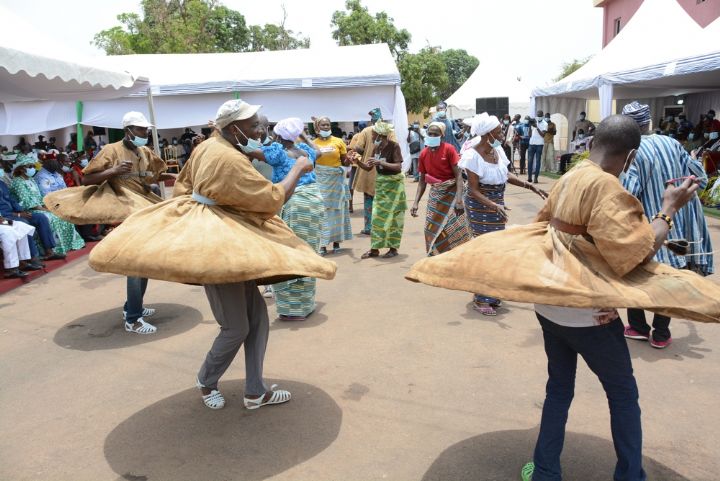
[391, 380]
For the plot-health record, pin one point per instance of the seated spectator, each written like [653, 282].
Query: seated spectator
[669, 126]
[50, 178]
[41, 144]
[21, 144]
[89, 141]
[685, 127]
[27, 194]
[15, 238]
[694, 139]
[10, 209]
[72, 171]
[51, 143]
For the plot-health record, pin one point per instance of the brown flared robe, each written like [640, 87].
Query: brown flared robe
[365, 180]
[539, 264]
[239, 239]
[114, 200]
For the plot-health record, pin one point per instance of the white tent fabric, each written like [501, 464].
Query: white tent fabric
[489, 81]
[344, 83]
[633, 66]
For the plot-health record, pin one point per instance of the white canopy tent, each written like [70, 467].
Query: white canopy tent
[39, 93]
[633, 66]
[488, 81]
[344, 83]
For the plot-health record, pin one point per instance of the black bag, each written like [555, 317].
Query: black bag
[415, 147]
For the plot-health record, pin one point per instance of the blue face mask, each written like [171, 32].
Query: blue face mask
[432, 141]
[442, 114]
[252, 144]
[30, 172]
[691, 136]
[495, 143]
[2, 173]
[325, 134]
[714, 135]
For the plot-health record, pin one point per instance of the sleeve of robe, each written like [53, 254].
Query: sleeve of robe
[155, 164]
[102, 161]
[621, 231]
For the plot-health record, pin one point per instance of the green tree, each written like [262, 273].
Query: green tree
[572, 66]
[424, 77]
[459, 65]
[357, 27]
[191, 26]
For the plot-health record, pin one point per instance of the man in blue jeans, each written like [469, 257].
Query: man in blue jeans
[597, 334]
[538, 127]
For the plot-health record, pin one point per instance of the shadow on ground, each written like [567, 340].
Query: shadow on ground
[178, 438]
[105, 330]
[317, 318]
[499, 456]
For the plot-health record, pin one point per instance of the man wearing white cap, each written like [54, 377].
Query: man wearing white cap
[136, 167]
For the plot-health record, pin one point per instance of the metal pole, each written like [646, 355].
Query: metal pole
[151, 109]
[80, 138]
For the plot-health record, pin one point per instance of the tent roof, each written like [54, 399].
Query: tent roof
[488, 81]
[28, 73]
[637, 66]
[201, 73]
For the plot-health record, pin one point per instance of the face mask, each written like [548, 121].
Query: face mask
[432, 141]
[495, 143]
[691, 136]
[581, 136]
[30, 172]
[267, 141]
[252, 144]
[416, 126]
[506, 122]
[138, 141]
[65, 168]
[714, 135]
[626, 165]
[582, 117]
[706, 135]
[547, 119]
[377, 142]
[441, 114]
[2, 173]
[325, 134]
[84, 163]
[669, 119]
[710, 117]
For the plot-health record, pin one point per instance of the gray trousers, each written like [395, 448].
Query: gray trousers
[242, 314]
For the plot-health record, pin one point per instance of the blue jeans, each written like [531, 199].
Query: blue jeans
[606, 353]
[534, 160]
[136, 287]
[415, 171]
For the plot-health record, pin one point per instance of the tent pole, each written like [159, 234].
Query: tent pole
[151, 109]
[236, 95]
[80, 139]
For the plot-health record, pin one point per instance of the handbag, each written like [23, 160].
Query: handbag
[415, 147]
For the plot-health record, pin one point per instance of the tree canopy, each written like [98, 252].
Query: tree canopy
[357, 27]
[570, 67]
[459, 66]
[424, 77]
[192, 26]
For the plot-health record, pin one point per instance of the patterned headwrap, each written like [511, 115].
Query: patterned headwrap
[439, 125]
[383, 128]
[638, 112]
[289, 129]
[484, 123]
[23, 159]
[375, 114]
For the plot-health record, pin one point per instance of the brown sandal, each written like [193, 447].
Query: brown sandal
[370, 254]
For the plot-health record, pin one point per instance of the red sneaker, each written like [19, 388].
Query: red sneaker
[631, 333]
[660, 344]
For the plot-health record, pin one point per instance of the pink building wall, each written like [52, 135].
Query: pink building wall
[703, 13]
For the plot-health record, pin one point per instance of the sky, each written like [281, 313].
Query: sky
[530, 38]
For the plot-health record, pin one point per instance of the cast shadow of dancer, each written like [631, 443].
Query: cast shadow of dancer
[179, 439]
[500, 455]
[105, 330]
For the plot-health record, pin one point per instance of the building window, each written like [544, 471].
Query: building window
[617, 26]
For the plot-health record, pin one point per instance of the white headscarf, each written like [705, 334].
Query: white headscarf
[289, 129]
[484, 123]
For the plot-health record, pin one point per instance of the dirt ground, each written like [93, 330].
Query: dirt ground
[390, 380]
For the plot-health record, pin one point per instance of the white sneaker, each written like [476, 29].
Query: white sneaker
[147, 312]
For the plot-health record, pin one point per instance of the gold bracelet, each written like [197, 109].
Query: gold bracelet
[664, 217]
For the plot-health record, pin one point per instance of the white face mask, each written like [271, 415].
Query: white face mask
[626, 166]
[325, 134]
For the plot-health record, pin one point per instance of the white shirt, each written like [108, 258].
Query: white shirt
[571, 316]
[536, 138]
[490, 174]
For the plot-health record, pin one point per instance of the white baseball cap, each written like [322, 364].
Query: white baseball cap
[233, 110]
[135, 118]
